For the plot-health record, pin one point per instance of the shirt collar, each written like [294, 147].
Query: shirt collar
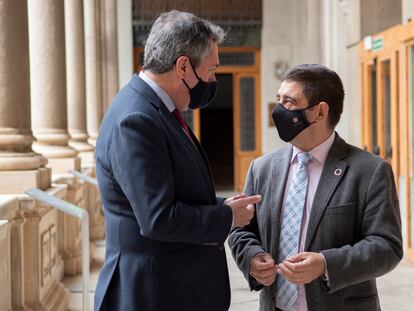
[319, 153]
[159, 91]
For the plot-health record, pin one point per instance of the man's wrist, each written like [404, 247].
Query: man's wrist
[324, 275]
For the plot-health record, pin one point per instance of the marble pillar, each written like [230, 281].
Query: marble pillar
[48, 84]
[20, 167]
[93, 76]
[75, 81]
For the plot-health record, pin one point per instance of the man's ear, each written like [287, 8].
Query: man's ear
[181, 66]
[323, 111]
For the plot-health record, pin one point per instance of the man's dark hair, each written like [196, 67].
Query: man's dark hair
[320, 84]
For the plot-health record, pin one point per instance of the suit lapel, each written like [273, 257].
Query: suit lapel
[193, 147]
[333, 172]
[203, 154]
[280, 170]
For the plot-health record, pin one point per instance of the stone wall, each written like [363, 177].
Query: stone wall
[39, 245]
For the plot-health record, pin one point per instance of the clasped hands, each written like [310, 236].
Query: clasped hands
[299, 269]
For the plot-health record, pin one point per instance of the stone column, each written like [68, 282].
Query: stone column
[125, 42]
[93, 78]
[76, 91]
[20, 167]
[48, 84]
[109, 51]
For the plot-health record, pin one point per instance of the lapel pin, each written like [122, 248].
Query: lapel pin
[338, 172]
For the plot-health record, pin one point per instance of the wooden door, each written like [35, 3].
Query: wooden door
[387, 89]
[408, 143]
[247, 125]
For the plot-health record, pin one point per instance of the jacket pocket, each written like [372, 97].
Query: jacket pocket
[339, 209]
[360, 299]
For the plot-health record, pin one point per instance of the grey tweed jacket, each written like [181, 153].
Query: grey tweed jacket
[355, 223]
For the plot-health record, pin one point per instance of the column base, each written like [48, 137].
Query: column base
[57, 300]
[72, 265]
[87, 158]
[16, 182]
[92, 141]
[85, 151]
[63, 165]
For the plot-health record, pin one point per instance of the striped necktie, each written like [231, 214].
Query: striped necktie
[290, 230]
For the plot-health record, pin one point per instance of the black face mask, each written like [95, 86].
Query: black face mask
[290, 123]
[203, 93]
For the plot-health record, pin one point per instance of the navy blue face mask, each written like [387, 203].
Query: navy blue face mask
[290, 123]
[203, 93]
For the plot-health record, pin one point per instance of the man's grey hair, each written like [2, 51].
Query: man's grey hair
[176, 34]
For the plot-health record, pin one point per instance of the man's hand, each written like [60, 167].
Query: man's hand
[263, 269]
[234, 198]
[303, 268]
[243, 208]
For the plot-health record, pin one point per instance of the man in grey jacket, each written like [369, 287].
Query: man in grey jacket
[329, 222]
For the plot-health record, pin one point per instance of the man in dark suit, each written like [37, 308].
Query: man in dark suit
[165, 227]
[329, 222]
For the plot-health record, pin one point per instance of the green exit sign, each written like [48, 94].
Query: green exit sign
[377, 44]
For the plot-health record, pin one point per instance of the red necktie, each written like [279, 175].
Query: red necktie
[181, 121]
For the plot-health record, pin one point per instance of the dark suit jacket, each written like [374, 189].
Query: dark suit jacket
[164, 227]
[355, 222]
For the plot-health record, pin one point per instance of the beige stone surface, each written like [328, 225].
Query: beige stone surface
[34, 265]
[16, 137]
[17, 257]
[48, 86]
[93, 73]
[5, 264]
[109, 52]
[20, 181]
[14, 69]
[64, 165]
[76, 84]
[87, 159]
[69, 226]
[42, 287]
[93, 205]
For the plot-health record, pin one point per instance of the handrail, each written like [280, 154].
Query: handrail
[77, 212]
[84, 177]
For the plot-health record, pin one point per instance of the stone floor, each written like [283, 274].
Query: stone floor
[396, 288]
